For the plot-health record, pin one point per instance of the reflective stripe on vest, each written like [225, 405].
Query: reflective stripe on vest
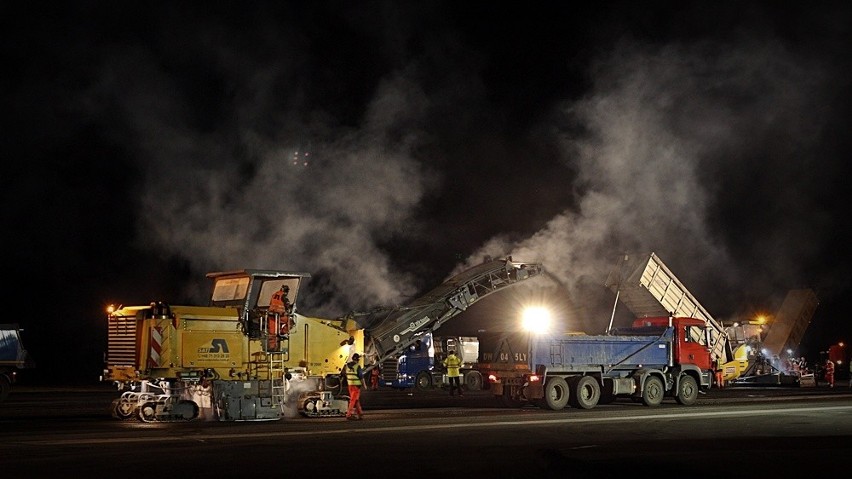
[352, 375]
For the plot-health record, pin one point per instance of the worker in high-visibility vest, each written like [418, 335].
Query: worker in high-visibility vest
[829, 373]
[278, 316]
[720, 374]
[453, 363]
[374, 377]
[280, 303]
[353, 379]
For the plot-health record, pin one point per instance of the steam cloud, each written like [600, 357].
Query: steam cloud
[706, 151]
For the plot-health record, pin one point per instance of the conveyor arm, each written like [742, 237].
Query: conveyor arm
[392, 329]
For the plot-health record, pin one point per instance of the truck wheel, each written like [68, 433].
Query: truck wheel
[473, 380]
[586, 392]
[555, 393]
[5, 387]
[424, 380]
[653, 391]
[687, 391]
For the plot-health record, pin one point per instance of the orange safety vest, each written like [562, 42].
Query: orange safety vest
[277, 303]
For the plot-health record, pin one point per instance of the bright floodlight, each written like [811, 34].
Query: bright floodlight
[537, 320]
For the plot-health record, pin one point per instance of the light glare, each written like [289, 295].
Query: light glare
[536, 320]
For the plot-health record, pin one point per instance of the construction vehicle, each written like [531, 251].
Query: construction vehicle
[771, 346]
[652, 290]
[743, 350]
[13, 357]
[234, 360]
[655, 358]
[421, 366]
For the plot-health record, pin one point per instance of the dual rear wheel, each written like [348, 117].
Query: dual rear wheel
[582, 392]
[585, 392]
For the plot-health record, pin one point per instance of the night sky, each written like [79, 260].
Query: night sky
[383, 146]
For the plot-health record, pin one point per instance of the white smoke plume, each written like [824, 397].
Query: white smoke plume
[683, 148]
[661, 145]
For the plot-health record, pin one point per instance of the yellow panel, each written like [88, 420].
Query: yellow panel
[212, 349]
[320, 348]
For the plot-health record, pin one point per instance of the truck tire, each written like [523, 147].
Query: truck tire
[687, 391]
[473, 380]
[585, 392]
[424, 380]
[653, 391]
[5, 387]
[556, 393]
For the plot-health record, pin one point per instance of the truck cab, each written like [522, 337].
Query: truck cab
[692, 342]
[421, 365]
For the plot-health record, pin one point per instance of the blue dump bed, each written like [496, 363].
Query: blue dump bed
[649, 347]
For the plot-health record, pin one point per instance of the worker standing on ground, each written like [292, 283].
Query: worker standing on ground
[453, 363]
[374, 377]
[829, 373]
[720, 374]
[353, 379]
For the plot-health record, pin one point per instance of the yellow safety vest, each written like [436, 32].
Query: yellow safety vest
[453, 363]
[352, 376]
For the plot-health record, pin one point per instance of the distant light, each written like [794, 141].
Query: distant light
[110, 309]
[536, 320]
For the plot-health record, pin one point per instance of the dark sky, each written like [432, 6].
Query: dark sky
[382, 146]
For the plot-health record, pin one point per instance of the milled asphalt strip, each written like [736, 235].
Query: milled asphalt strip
[409, 428]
